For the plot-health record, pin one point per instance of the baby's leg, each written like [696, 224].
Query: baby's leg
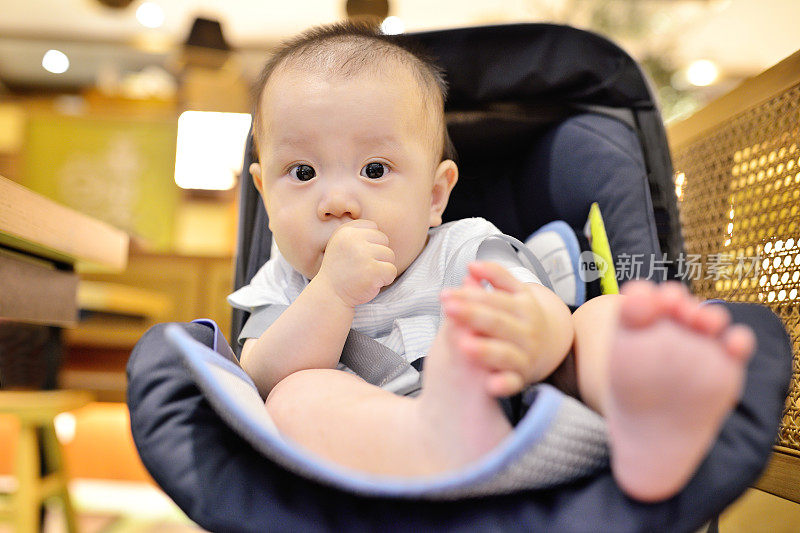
[455, 400]
[665, 371]
[352, 423]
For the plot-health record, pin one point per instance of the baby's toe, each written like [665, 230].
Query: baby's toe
[673, 297]
[638, 287]
[707, 319]
[739, 341]
[638, 308]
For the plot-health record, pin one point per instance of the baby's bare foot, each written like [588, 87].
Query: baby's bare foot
[460, 421]
[676, 370]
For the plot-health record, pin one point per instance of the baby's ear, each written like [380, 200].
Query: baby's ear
[255, 171]
[444, 180]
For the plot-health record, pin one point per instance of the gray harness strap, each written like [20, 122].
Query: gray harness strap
[372, 361]
[527, 256]
[471, 249]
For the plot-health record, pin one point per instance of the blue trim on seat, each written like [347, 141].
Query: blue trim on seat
[567, 234]
[199, 359]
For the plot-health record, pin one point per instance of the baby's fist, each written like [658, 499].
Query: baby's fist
[358, 262]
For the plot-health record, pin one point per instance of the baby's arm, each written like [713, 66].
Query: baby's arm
[317, 320]
[356, 264]
[522, 331]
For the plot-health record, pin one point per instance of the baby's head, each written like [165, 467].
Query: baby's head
[348, 124]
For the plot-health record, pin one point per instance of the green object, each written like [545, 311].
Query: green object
[595, 231]
[120, 171]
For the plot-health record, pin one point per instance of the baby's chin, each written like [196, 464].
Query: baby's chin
[311, 272]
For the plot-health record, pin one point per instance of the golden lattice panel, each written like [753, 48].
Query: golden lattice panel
[738, 188]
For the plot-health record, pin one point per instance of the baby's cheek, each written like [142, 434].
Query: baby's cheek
[405, 251]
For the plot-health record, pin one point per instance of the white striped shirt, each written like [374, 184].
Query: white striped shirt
[406, 315]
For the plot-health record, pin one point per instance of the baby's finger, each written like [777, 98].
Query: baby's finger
[496, 274]
[493, 354]
[376, 236]
[359, 223]
[502, 384]
[471, 281]
[502, 301]
[487, 320]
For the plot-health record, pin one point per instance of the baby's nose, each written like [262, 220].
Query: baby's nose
[338, 204]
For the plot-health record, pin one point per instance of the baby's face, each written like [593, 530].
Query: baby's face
[336, 150]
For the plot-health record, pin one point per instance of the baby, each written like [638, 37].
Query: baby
[355, 173]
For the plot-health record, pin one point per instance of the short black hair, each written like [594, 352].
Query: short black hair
[351, 48]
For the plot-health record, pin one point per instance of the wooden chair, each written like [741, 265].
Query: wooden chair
[35, 412]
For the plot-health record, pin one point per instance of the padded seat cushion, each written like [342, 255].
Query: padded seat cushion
[224, 484]
[586, 158]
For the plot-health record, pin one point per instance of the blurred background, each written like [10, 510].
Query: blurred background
[118, 78]
[113, 107]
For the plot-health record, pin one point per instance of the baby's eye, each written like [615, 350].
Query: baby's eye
[303, 172]
[374, 170]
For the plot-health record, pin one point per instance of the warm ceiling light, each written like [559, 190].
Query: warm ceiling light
[702, 73]
[55, 61]
[210, 149]
[65, 424]
[392, 26]
[150, 15]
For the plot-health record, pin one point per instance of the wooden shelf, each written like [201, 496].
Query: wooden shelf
[35, 292]
[122, 299]
[153, 288]
[41, 227]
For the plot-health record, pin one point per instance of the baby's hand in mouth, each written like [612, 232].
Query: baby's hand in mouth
[357, 262]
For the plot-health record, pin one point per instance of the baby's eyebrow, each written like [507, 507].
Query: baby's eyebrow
[386, 142]
[383, 141]
[290, 142]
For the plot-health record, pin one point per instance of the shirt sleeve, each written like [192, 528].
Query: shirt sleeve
[502, 252]
[268, 287]
[259, 320]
